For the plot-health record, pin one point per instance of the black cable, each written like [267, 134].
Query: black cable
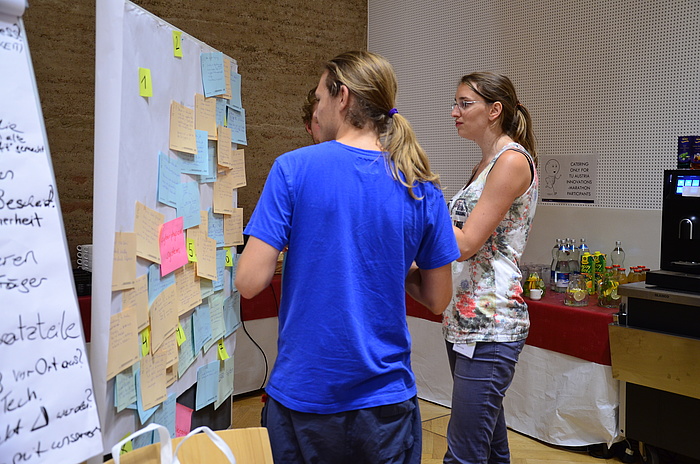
[277, 307]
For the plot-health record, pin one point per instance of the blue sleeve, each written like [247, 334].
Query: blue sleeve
[439, 245]
[271, 221]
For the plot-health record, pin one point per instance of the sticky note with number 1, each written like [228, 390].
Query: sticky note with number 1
[177, 44]
[145, 84]
[223, 354]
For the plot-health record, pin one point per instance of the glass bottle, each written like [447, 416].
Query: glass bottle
[623, 276]
[607, 294]
[617, 256]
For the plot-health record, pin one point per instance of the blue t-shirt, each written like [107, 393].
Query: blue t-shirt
[353, 232]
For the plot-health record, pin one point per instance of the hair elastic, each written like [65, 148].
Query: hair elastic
[392, 112]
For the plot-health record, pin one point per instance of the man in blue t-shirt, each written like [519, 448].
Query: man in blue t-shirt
[365, 221]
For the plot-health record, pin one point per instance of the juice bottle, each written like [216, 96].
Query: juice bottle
[588, 272]
[623, 276]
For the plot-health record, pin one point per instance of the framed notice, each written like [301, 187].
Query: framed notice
[570, 179]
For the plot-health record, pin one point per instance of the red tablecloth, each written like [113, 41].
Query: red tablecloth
[581, 332]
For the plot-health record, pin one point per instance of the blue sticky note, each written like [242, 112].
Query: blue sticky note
[216, 227]
[143, 414]
[143, 440]
[165, 414]
[220, 268]
[197, 163]
[188, 204]
[156, 283]
[221, 112]
[213, 75]
[233, 268]
[168, 179]
[124, 389]
[235, 120]
[206, 288]
[211, 175]
[201, 326]
[232, 313]
[236, 90]
[207, 385]
[186, 352]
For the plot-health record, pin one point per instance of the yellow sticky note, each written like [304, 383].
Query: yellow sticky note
[180, 334]
[229, 257]
[146, 341]
[177, 44]
[223, 354]
[145, 84]
[191, 251]
[126, 447]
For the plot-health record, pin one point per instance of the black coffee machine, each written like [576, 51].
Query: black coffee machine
[680, 232]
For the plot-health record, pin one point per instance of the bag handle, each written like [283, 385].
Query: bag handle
[217, 440]
[166, 448]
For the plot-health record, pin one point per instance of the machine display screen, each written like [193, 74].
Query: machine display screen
[688, 185]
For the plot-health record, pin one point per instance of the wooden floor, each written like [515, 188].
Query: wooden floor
[524, 450]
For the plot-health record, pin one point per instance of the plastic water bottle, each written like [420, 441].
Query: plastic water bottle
[561, 274]
[555, 254]
[574, 257]
[583, 248]
[617, 256]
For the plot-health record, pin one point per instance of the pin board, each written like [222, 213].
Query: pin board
[48, 409]
[169, 158]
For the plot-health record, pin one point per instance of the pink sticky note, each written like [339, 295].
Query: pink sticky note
[173, 252]
[183, 420]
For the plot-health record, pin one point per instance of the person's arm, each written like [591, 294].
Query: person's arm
[256, 266]
[430, 287]
[509, 178]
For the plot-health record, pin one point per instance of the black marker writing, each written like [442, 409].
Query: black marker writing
[29, 202]
[41, 330]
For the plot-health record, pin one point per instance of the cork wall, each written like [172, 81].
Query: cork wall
[280, 47]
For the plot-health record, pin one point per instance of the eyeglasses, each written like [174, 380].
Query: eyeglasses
[463, 104]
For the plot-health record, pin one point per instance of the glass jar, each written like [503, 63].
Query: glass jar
[607, 294]
[576, 292]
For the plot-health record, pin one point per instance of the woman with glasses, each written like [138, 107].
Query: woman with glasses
[486, 324]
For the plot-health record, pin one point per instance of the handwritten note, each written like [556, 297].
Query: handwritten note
[153, 390]
[223, 193]
[163, 317]
[145, 84]
[216, 227]
[201, 326]
[188, 204]
[124, 389]
[238, 168]
[187, 352]
[147, 224]
[49, 411]
[205, 115]
[211, 165]
[206, 259]
[137, 299]
[213, 74]
[225, 386]
[123, 342]
[223, 147]
[124, 263]
[168, 179]
[197, 163]
[236, 90]
[207, 385]
[233, 228]
[235, 120]
[182, 136]
[232, 313]
[173, 252]
[187, 285]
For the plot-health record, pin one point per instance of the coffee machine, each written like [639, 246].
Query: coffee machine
[680, 232]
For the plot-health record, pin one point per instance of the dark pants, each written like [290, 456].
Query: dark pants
[390, 434]
[477, 431]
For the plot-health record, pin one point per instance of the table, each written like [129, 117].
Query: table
[563, 392]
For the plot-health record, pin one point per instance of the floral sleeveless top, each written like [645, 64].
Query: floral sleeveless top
[487, 303]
